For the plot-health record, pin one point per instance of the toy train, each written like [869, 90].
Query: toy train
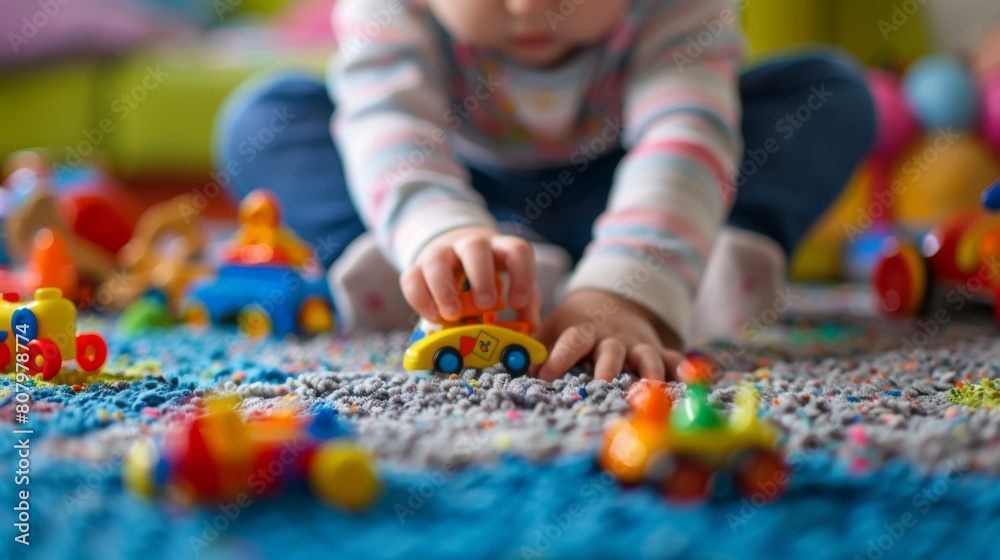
[218, 457]
[683, 450]
[44, 330]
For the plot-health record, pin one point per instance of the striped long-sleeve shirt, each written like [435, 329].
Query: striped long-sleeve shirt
[412, 102]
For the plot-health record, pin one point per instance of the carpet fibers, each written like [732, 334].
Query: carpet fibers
[894, 455]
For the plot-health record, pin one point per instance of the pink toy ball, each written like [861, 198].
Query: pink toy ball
[990, 118]
[942, 93]
[897, 125]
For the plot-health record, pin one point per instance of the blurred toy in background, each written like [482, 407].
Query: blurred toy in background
[269, 283]
[991, 196]
[683, 448]
[48, 266]
[991, 111]
[218, 457]
[92, 215]
[47, 327]
[156, 266]
[476, 339]
[956, 255]
[932, 155]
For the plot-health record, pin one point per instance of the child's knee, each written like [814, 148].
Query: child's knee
[840, 83]
[254, 116]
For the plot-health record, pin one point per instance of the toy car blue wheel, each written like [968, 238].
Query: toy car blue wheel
[515, 358]
[447, 360]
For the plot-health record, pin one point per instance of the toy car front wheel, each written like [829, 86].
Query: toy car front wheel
[342, 474]
[686, 480]
[254, 322]
[196, 313]
[515, 358]
[900, 278]
[448, 360]
[44, 357]
[762, 474]
[91, 351]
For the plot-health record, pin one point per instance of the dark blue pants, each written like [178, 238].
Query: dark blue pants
[807, 122]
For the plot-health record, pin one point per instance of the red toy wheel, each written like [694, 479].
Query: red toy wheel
[900, 278]
[687, 481]
[762, 473]
[91, 351]
[48, 353]
[4, 356]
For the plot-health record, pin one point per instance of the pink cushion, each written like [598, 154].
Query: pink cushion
[37, 29]
[307, 22]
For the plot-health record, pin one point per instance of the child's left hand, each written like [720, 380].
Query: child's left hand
[618, 334]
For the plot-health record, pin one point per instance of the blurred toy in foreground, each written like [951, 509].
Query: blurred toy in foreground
[269, 282]
[218, 457]
[683, 448]
[477, 339]
[44, 329]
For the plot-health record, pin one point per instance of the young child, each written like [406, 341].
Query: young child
[517, 135]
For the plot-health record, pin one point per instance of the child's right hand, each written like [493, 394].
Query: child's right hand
[429, 285]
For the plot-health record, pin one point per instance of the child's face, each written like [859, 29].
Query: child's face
[532, 32]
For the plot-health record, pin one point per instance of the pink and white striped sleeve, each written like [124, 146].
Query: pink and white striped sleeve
[674, 187]
[388, 83]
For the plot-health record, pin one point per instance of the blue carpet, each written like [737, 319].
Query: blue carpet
[518, 510]
[501, 505]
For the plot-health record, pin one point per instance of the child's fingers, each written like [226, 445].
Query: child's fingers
[609, 359]
[647, 361]
[476, 257]
[439, 273]
[518, 259]
[671, 360]
[418, 295]
[571, 347]
[532, 313]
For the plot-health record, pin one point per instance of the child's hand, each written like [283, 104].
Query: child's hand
[429, 286]
[618, 334]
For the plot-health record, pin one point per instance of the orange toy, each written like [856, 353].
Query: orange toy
[262, 238]
[49, 266]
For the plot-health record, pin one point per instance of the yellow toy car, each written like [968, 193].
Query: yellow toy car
[476, 340]
[452, 349]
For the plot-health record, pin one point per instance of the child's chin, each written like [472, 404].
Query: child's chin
[540, 57]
